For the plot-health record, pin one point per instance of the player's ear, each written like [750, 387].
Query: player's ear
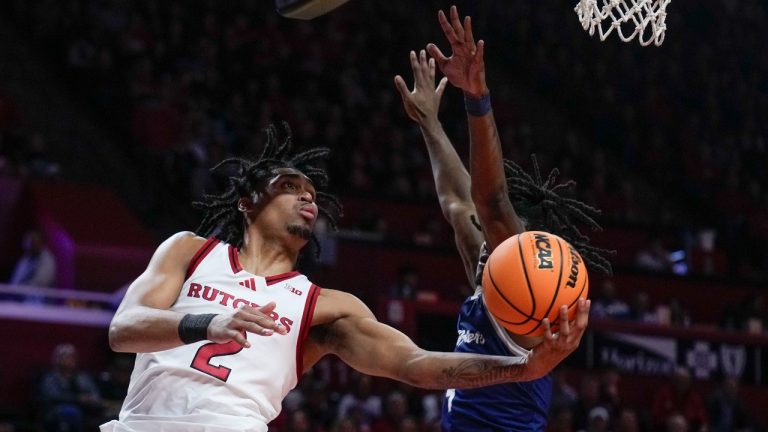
[245, 205]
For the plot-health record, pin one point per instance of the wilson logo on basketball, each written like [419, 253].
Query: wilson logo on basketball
[573, 276]
[544, 254]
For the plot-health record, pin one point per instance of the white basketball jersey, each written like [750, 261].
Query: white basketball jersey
[210, 387]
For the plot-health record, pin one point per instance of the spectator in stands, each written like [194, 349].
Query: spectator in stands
[326, 238]
[425, 407]
[607, 304]
[627, 421]
[677, 423]
[679, 397]
[396, 411]
[373, 224]
[407, 424]
[749, 315]
[610, 395]
[678, 314]
[36, 266]
[561, 420]
[598, 420]
[563, 394]
[362, 400]
[318, 406]
[37, 162]
[296, 398]
[429, 233]
[726, 410]
[346, 424]
[589, 398]
[731, 319]
[407, 284]
[654, 257]
[113, 385]
[70, 400]
[299, 421]
[640, 310]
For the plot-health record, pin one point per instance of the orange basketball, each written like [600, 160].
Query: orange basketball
[529, 277]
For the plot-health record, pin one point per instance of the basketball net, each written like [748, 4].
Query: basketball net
[645, 19]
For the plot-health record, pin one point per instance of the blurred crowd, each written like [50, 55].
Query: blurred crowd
[23, 153]
[668, 137]
[663, 138]
[597, 405]
[334, 398]
[747, 315]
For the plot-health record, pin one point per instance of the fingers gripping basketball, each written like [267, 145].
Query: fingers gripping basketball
[528, 277]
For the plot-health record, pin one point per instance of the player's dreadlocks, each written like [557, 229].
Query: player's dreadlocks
[224, 220]
[543, 208]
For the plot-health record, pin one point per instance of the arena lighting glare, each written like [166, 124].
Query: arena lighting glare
[644, 19]
[306, 9]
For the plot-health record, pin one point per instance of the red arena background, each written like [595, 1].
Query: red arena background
[112, 113]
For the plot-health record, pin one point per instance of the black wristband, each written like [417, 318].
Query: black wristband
[477, 107]
[194, 327]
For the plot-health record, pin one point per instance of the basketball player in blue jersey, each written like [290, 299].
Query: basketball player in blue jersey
[521, 406]
[223, 326]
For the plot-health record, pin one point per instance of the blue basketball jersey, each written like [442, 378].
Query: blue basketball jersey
[513, 407]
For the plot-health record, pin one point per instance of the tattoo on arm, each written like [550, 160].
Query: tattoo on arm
[479, 373]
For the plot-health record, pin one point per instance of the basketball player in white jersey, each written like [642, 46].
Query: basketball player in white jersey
[224, 326]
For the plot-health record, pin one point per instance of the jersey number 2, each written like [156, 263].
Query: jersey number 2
[208, 351]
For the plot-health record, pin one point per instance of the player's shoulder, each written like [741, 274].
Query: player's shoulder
[333, 305]
[332, 295]
[185, 241]
[182, 246]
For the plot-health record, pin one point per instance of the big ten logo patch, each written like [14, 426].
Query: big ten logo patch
[292, 290]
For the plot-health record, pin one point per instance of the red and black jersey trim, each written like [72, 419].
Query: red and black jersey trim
[234, 259]
[306, 323]
[200, 255]
[280, 277]
[234, 263]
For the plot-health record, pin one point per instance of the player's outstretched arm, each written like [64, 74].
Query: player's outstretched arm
[357, 338]
[143, 322]
[451, 178]
[465, 69]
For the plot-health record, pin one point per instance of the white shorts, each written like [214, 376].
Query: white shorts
[170, 426]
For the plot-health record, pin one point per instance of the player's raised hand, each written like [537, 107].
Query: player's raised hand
[465, 68]
[423, 102]
[557, 346]
[231, 326]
